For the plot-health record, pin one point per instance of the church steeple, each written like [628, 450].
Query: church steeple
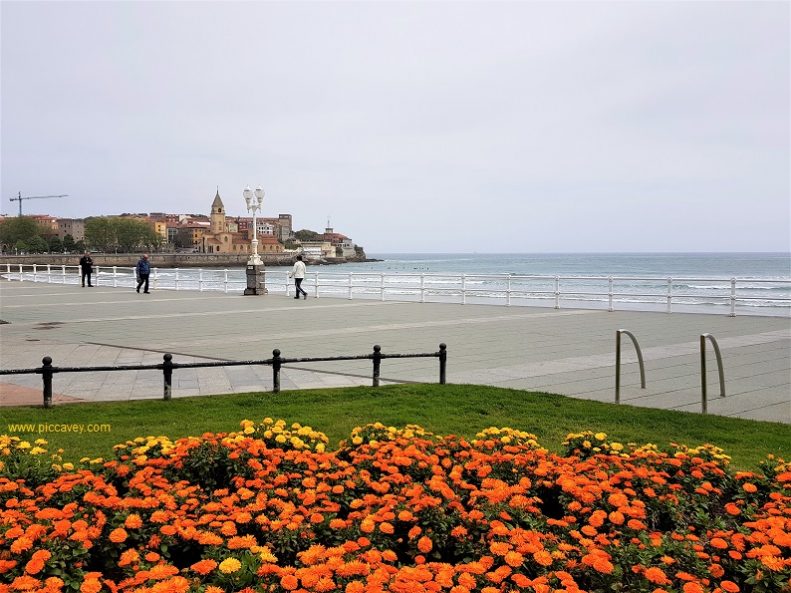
[217, 214]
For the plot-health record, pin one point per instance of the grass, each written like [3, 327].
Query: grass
[443, 409]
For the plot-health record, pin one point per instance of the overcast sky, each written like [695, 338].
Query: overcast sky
[415, 126]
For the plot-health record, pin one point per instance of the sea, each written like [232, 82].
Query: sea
[641, 280]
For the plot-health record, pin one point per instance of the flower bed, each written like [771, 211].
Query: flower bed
[269, 509]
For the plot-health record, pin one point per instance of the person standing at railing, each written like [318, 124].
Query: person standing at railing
[143, 269]
[298, 274]
[86, 268]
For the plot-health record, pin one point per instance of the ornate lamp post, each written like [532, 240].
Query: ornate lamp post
[255, 267]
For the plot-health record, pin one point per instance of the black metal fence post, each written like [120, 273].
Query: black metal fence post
[167, 371]
[46, 376]
[443, 362]
[377, 358]
[276, 371]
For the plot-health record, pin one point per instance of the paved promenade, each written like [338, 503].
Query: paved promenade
[567, 351]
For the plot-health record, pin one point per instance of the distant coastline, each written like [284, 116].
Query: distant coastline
[174, 260]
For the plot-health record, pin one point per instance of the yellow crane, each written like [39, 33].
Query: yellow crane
[20, 197]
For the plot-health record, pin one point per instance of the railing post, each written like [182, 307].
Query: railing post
[609, 291]
[350, 286]
[35, 272]
[617, 366]
[49, 273]
[377, 358]
[557, 292]
[63, 273]
[276, 370]
[167, 371]
[464, 289]
[115, 276]
[176, 281]
[225, 282]
[46, 376]
[200, 280]
[422, 291]
[508, 291]
[733, 297]
[443, 361]
[316, 283]
[669, 294]
[703, 401]
[382, 286]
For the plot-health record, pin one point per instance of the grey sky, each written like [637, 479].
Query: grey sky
[416, 126]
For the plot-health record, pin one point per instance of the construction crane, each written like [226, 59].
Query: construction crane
[21, 197]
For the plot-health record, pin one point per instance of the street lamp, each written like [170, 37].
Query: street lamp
[255, 267]
[254, 202]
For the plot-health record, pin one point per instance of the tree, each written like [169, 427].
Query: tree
[307, 235]
[55, 244]
[99, 233]
[20, 246]
[37, 245]
[79, 246]
[18, 228]
[68, 243]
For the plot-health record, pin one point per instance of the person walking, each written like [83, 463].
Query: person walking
[298, 274]
[86, 267]
[143, 270]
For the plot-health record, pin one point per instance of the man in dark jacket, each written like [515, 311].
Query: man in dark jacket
[143, 270]
[86, 267]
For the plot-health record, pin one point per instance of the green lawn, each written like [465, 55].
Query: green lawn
[443, 409]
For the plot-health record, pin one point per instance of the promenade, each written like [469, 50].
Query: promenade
[566, 351]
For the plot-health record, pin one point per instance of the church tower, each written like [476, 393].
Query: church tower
[217, 215]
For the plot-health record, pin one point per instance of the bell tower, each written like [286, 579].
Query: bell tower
[217, 215]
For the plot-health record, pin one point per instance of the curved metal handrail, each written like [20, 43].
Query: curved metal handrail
[703, 337]
[618, 362]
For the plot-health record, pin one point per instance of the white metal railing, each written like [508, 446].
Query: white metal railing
[660, 293]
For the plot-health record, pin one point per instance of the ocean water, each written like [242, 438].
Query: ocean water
[697, 281]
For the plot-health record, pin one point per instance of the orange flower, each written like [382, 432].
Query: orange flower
[692, 587]
[514, 559]
[289, 582]
[425, 544]
[133, 521]
[719, 543]
[657, 576]
[118, 535]
[90, 586]
[204, 567]
[730, 586]
[542, 557]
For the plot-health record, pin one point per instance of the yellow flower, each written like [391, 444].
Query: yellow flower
[600, 436]
[230, 565]
[357, 440]
[586, 444]
[280, 439]
[320, 448]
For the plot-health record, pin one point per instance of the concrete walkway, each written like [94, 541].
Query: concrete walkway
[567, 351]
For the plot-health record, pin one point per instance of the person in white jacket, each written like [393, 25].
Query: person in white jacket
[298, 274]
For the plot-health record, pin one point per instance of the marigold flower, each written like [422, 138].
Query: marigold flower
[133, 521]
[657, 576]
[118, 535]
[230, 566]
[730, 586]
[692, 587]
[204, 567]
[425, 544]
[289, 582]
